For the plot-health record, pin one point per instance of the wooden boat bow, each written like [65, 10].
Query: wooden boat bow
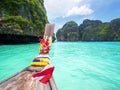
[23, 79]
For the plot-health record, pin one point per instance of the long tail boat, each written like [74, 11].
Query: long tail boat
[23, 80]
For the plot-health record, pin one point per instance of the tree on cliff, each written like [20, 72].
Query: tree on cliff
[90, 30]
[22, 17]
[69, 32]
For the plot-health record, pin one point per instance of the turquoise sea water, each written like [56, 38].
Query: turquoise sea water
[78, 65]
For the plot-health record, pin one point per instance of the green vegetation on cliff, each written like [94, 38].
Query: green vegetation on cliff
[22, 17]
[69, 32]
[91, 30]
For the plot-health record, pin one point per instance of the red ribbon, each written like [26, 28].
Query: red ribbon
[46, 73]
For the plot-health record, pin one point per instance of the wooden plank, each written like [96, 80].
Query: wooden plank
[52, 84]
[23, 81]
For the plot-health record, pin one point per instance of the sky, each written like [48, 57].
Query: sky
[62, 11]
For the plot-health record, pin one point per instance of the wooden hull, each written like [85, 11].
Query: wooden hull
[22, 81]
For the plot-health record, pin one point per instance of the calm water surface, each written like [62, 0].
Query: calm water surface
[78, 65]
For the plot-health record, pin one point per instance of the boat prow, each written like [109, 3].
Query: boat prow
[22, 81]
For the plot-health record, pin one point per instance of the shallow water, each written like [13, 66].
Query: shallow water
[78, 65]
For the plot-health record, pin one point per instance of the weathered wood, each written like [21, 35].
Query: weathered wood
[22, 81]
[52, 84]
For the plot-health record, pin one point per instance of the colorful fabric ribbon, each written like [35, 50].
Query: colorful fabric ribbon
[45, 46]
[40, 61]
[45, 75]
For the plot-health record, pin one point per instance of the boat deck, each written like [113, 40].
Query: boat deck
[22, 81]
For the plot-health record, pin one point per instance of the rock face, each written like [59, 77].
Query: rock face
[69, 32]
[91, 30]
[22, 18]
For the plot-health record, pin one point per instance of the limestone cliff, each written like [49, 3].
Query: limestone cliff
[90, 30]
[69, 32]
[22, 19]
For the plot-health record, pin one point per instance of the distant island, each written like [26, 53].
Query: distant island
[90, 30]
[22, 21]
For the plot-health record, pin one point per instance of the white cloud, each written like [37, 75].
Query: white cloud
[82, 10]
[61, 8]
[77, 1]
